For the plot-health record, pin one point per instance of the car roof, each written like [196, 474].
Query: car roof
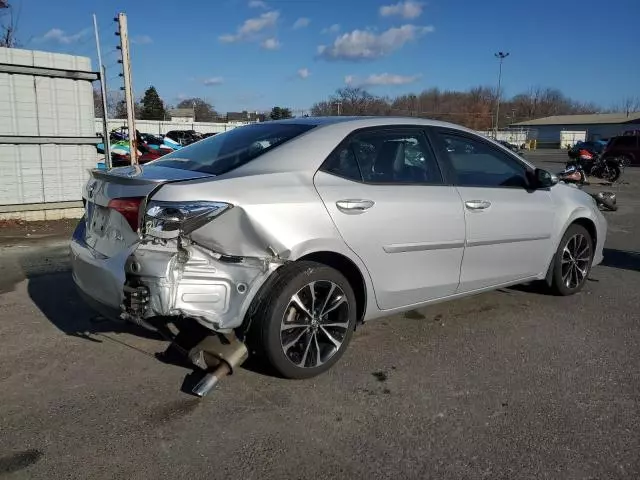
[307, 151]
[363, 122]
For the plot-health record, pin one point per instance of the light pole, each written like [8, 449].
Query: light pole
[500, 56]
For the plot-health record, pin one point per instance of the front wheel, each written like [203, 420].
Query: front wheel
[306, 319]
[572, 262]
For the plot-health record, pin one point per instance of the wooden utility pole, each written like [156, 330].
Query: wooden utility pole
[128, 89]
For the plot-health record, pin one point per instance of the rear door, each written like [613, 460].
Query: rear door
[384, 191]
[509, 224]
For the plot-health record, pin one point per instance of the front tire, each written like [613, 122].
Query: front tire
[572, 263]
[305, 319]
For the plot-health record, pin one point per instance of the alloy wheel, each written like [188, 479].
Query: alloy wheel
[315, 324]
[576, 257]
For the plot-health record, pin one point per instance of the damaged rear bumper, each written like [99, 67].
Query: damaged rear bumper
[169, 278]
[180, 278]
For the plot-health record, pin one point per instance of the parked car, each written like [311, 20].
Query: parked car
[510, 146]
[184, 137]
[284, 235]
[626, 148]
[593, 147]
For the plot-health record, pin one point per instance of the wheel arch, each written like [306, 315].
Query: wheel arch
[349, 269]
[585, 222]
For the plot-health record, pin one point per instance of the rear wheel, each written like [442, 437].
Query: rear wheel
[573, 261]
[613, 173]
[306, 319]
[624, 160]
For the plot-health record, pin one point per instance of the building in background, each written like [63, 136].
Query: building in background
[182, 115]
[548, 131]
[245, 116]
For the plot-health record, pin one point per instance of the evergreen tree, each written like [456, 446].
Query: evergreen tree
[152, 105]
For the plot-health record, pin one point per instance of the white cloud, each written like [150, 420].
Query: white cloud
[301, 23]
[408, 9]
[141, 40]
[209, 82]
[252, 27]
[257, 4]
[378, 79]
[271, 44]
[335, 28]
[304, 73]
[367, 45]
[60, 36]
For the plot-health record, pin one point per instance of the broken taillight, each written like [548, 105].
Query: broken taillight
[169, 219]
[129, 208]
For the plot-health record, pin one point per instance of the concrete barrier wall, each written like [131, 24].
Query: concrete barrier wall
[161, 127]
[47, 136]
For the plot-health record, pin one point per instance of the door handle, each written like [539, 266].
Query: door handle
[477, 204]
[354, 206]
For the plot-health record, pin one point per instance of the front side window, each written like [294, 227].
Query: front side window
[223, 152]
[475, 163]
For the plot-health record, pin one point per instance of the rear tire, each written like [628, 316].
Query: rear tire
[625, 161]
[572, 262]
[305, 319]
[614, 173]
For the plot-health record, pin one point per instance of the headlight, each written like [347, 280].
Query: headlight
[170, 219]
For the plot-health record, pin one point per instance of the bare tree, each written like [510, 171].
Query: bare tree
[472, 108]
[203, 110]
[8, 25]
[114, 99]
[627, 105]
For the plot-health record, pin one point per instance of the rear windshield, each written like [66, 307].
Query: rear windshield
[224, 152]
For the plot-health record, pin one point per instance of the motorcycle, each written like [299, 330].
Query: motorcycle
[593, 165]
[574, 175]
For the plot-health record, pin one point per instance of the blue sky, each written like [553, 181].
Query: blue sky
[254, 54]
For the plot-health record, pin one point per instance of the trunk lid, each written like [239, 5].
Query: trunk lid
[107, 230]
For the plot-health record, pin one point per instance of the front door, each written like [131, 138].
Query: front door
[509, 224]
[385, 193]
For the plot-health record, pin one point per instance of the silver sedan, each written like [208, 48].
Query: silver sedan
[284, 235]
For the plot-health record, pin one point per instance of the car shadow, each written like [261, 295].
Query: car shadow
[623, 259]
[54, 293]
[56, 296]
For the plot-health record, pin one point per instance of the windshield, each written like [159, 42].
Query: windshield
[224, 152]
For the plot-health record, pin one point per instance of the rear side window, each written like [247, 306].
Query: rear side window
[226, 151]
[626, 141]
[386, 157]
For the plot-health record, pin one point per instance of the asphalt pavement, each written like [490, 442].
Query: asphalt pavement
[512, 384]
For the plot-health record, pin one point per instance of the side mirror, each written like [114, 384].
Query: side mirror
[544, 179]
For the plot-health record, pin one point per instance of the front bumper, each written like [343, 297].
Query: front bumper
[601, 229]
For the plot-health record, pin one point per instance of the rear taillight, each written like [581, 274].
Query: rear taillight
[129, 208]
[169, 219]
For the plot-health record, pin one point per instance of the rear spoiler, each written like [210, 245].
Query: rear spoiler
[123, 180]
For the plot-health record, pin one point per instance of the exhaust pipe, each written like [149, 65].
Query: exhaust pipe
[210, 380]
[219, 355]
